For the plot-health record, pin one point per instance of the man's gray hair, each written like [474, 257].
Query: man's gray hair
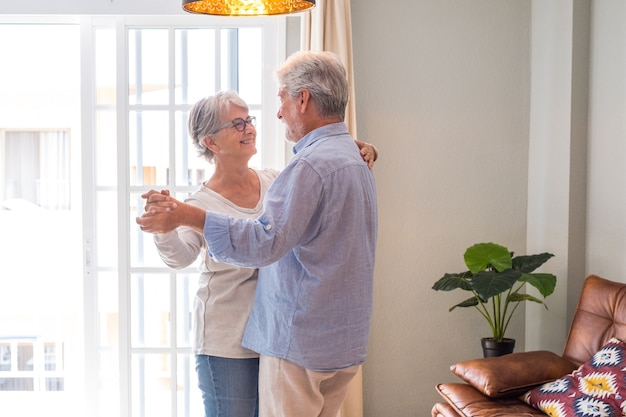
[323, 74]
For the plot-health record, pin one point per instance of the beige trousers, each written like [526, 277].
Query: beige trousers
[288, 390]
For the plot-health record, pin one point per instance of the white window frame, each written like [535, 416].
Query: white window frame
[275, 155]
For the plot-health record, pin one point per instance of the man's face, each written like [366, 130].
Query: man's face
[288, 112]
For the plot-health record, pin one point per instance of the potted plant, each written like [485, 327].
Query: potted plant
[495, 279]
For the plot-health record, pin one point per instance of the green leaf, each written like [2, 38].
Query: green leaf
[545, 283]
[470, 302]
[451, 282]
[529, 263]
[516, 297]
[483, 256]
[489, 283]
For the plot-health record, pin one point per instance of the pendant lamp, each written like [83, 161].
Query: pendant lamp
[247, 7]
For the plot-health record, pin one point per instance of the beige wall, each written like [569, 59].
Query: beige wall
[443, 90]
[556, 219]
[606, 234]
[499, 121]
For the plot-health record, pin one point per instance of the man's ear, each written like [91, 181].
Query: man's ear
[304, 99]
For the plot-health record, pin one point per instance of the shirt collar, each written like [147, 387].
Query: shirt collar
[333, 129]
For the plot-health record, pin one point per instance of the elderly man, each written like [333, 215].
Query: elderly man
[314, 244]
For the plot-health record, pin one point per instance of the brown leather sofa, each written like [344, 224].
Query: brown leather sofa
[491, 386]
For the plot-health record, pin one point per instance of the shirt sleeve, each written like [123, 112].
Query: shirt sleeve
[179, 248]
[290, 206]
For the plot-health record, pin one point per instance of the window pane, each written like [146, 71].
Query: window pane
[25, 359]
[228, 76]
[108, 310]
[191, 169]
[109, 383]
[148, 66]
[105, 66]
[105, 115]
[39, 75]
[37, 169]
[186, 285]
[195, 64]
[5, 357]
[106, 228]
[106, 148]
[150, 310]
[251, 64]
[189, 398]
[149, 147]
[152, 385]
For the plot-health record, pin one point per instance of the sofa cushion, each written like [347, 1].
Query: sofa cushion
[512, 374]
[467, 401]
[596, 388]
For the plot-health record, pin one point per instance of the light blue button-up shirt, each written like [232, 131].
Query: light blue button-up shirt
[315, 245]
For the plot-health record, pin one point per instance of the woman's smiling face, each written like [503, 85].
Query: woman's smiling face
[230, 140]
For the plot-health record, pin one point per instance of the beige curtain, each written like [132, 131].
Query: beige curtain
[328, 28]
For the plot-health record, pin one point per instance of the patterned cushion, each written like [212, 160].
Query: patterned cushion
[596, 389]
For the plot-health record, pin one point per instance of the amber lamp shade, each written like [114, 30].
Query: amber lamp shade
[247, 7]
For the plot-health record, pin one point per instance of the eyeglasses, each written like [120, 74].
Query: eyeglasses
[238, 123]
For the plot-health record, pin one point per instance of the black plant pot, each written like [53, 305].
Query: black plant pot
[491, 348]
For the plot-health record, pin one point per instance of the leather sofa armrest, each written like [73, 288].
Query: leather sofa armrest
[443, 410]
[469, 402]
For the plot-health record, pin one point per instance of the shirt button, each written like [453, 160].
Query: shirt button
[268, 227]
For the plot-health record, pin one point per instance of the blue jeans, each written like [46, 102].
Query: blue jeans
[229, 386]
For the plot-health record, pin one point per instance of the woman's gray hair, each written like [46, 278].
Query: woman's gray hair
[207, 115]
[323, 74]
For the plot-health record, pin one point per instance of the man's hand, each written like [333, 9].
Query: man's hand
[164, 214]
[157, 218]
[159, 202]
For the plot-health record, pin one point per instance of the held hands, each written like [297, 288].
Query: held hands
[157, 217]
[159, 202]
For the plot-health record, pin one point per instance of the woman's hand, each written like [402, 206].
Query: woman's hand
[368, 152]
